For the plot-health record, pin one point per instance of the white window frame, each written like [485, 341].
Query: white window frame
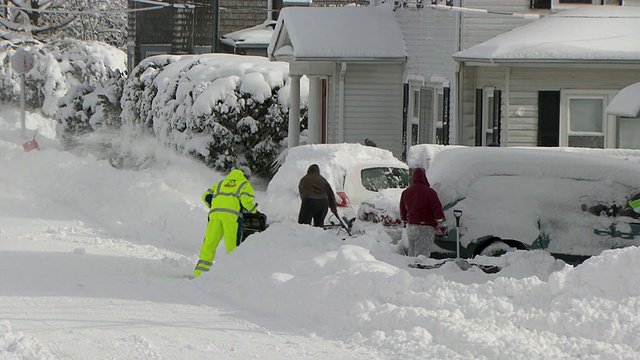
[414, 118]
[618, 129]
[487, 94]
[609, 122]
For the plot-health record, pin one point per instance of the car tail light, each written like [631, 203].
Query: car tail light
[344, 200]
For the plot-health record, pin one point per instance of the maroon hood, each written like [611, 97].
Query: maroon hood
[419, 177]
[419, 203]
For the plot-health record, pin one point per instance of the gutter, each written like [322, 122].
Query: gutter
[393, 59]
[630, 63]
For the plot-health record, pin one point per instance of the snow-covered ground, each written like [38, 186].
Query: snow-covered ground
[90, 259]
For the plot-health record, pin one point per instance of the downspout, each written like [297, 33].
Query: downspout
[343, 70]
[458, 117]
[507, 105]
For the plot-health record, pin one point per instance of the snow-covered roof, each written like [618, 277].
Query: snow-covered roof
[626, 103]
[338, 33]
[585, 34]
[255, 36]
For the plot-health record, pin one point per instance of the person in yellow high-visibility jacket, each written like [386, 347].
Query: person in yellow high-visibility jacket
[635, 205]
[226, 200]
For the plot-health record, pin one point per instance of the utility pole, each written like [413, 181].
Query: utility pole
[216, 25]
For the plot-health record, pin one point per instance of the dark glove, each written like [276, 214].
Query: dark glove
[259, 215]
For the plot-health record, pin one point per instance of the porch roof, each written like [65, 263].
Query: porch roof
[601, 34]
[626, 103]
[338, 34]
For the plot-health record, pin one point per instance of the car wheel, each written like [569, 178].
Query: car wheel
[496, 248]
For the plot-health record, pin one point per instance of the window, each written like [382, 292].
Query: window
[488, 102]
[548, 4]
[426, 104]
[628, 128]
[584, 122]
[379, 178]
[541, 4]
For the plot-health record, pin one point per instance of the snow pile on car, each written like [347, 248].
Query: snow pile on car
[453, 171]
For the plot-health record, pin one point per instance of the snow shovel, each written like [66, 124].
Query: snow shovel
[462, 263]
[341, 223]
[31, 144]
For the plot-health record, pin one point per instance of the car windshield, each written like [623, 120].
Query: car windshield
[379, 178]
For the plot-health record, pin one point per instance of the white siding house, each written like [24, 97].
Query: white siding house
[548, 83]
[412, 72]
[353, 58]
[433, 80]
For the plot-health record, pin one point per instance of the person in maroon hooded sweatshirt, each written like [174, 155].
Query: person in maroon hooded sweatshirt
[421, 210]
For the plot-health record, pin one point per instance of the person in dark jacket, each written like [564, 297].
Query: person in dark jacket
[421, 211]
[317, 196]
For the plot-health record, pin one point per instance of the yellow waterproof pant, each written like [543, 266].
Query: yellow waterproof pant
[227, 225]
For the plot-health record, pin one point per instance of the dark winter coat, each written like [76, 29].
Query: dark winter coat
[419, 203]
[314, 185]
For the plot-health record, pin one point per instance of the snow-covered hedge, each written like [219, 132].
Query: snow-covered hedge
[59, 66]
[224, 109]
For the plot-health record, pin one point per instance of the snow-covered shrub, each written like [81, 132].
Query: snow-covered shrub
[225, 109]
[58, 67]
[84, 109]
[139, 92]
[71, 115]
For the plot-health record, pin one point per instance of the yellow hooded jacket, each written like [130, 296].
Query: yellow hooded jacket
[230, 196]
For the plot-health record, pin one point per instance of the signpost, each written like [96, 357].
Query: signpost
[22, 62]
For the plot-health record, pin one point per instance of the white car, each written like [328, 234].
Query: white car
[364, 181]
[354, 171]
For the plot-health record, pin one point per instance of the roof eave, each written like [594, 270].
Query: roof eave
[393, 59]
[545, 62]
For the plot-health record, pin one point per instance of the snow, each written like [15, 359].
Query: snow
[593, 33]
[339, 33]
[626, 103]
[89, 259]
[258, 35]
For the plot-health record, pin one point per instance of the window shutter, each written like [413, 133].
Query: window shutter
[405, 119]
[548, 118]
[541, 4]
[497, 118]
[446, 115]
[478, 117]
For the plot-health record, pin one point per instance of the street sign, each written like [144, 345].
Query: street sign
[22, 61]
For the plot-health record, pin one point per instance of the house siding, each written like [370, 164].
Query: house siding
[524, 84]
[478, 28]
[431, 36]
[373, 105]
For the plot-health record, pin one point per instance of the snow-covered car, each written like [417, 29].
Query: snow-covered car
[570, 204]
[355, 172]
[573, 204]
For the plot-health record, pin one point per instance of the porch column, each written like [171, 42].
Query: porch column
[294, 112]
[315, 110]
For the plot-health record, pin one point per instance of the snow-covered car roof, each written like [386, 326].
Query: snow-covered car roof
[453, 171]
[422, 155]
